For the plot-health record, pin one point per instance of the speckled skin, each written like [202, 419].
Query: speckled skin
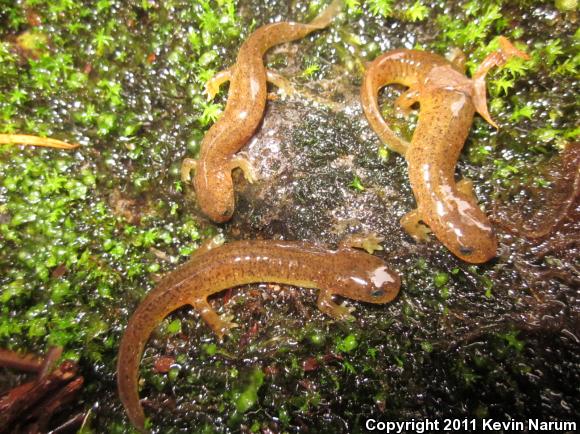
[406, 67]
[453, 216]
[448, 101]
[346, 272]
[243, 113]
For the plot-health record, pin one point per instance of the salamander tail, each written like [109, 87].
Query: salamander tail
[156, 306]
[497, 58]
[327, 15]
[128, 376]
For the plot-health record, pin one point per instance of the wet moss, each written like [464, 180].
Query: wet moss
[84, 235]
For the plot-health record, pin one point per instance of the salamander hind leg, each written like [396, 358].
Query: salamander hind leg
[220, 325]
[497, 58]
[286, 88]
[457, 59]
[407, 100]
[239, 162]
[212, 87]
[411, 222]
[209, 244]
[188, 166]
[329, 307]
[369, 242]
[465, 187]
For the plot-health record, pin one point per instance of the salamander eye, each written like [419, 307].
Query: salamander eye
[378, 293]
[466, 250]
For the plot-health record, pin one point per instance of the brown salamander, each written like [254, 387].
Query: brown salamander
[243, 113]
[448, 101]
[346, 272]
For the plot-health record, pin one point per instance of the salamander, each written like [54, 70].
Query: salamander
[448, 101]
[243, 113]
[346, 272]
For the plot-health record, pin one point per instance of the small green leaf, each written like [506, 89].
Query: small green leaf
[347, 344]
[383, 8]
[441, 279]
[417, 11]
[357, 184]
[174, 326]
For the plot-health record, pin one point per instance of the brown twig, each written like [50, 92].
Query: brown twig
[15, 404]
[71, 425]
[20, 362]
[44, 412]
[52, 356]
[14, 395]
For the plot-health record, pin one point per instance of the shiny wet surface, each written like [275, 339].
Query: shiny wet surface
[92, 231]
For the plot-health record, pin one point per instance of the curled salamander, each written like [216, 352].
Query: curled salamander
[448, 101]
[346, 272]
[243, 113]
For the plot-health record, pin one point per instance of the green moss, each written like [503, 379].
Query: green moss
[383, 8]
[512, 340]
[417, 11]
[317, 337]
[567, 5]
[468, 31]
[246, 398]
[174, 326]
[441, 279]
[348, 344]
[210, 349]
[356, 183]
[85, 235]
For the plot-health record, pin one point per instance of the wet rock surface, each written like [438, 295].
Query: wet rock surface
[83, 236]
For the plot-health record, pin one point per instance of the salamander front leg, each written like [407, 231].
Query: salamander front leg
[286, 88]
[407, 100]
[369, 242]
[209, 244]
[458, 59]
[242, 163]
[212, 87]
[220, 325]
[411, 222]
[329, 307]
[465, 186]
[188, 165]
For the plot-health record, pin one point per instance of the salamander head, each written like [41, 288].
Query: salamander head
[215, 194]
[472, 239]
[478, 251]
[365, 277]
[457, 221]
